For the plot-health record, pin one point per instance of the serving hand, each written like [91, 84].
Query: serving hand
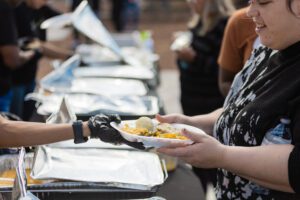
[100, 128]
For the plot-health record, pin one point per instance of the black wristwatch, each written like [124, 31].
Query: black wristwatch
[78, 132]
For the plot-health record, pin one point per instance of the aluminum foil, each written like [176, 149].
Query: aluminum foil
[85, 21]
[121, 168]
[88, 104]
[100, 86]
[120, 71]
[61, 77]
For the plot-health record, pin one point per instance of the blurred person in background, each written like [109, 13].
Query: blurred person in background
[118, 14]
[237, 45]
[11, 57]
[132, 15]
[198, 63]
[28, 16]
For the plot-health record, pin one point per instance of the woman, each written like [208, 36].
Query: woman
[198, 62]
[256, 149]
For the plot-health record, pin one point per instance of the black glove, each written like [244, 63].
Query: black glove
[100, 128]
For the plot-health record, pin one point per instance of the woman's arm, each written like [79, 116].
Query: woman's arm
[51, 50]
[264, 165]
[15, 133]
[205, 122]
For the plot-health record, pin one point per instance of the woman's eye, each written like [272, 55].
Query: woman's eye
[260, 2]
[263, 2]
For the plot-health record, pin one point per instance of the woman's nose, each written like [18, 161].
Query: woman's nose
[252, 10]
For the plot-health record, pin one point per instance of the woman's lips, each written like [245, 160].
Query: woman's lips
[259, 27]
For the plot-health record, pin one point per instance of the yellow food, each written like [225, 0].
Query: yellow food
[136, 131]
[162, 130]
[7, 177]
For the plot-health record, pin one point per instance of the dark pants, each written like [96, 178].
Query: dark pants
[19, 106]
[118, 14]
[5, 101]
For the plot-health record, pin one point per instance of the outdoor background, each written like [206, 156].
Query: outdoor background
[162, 18]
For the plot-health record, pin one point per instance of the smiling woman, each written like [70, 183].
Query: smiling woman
[273, 33]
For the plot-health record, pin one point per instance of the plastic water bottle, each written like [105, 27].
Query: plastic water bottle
[281, 134]
[147, 41]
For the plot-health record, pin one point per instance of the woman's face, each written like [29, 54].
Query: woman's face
[276, 25]
[197, 5]
[36, 4]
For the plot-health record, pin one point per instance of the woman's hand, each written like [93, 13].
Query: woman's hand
[204, 122]
[186, 54]
[206, 152]
[172, 118]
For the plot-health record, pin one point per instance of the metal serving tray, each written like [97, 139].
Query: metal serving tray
[119, 71]
[61, 190]
[106, 86]
[89, 104]
[110, 167]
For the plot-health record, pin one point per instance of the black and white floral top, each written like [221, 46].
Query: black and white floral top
[266, 91]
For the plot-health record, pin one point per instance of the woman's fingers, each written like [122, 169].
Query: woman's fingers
[176, 152]
[171, 118]
[165, 118]
[160, 118]
[196, 137]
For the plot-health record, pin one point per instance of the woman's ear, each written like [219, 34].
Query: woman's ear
[296, 7]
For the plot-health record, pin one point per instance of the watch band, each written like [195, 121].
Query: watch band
[78, 132]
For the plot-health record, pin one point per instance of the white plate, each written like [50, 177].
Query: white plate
[154, 141]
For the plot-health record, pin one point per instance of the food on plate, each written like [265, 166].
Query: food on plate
[144, 126]
[144, 122]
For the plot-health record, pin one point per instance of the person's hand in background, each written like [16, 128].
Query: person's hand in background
[186, 54]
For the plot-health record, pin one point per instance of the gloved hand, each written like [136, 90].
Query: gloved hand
[100, 128]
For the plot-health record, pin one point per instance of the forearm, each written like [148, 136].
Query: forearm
[207, 121]
[264, 165]
[15, 134]
[52, 51]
